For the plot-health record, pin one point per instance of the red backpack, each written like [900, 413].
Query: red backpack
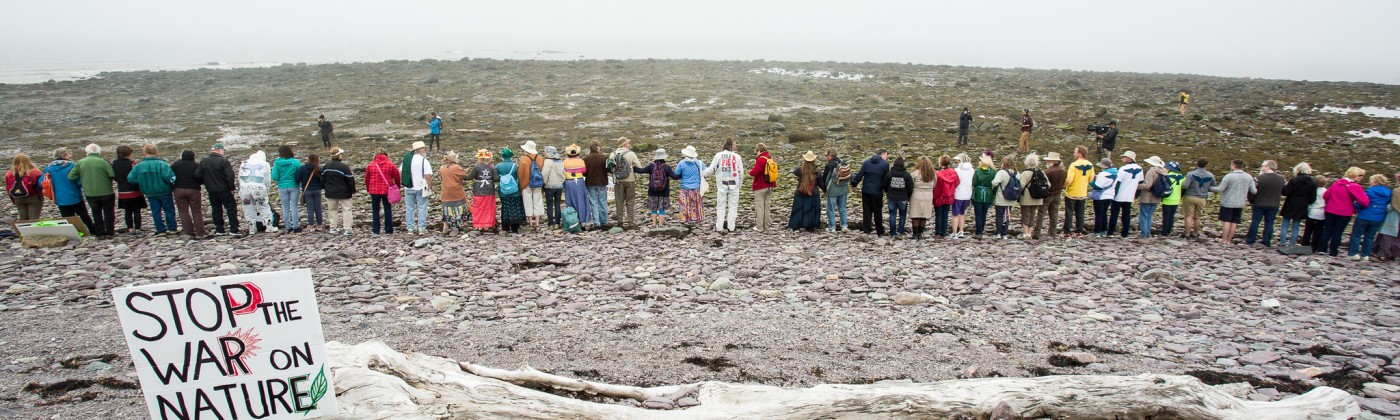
[658, 181]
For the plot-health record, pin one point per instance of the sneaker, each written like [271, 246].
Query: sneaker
[1365, 259]
[1354, 258]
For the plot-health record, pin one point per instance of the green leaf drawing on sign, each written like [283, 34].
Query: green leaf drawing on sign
[319, 387]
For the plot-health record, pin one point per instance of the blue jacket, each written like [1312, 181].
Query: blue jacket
[1380, 199]
[66, 192]
[688, 170]
[871, 177]
[284, 172]
[435, 125]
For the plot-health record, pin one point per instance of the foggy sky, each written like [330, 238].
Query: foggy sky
[1283, 39]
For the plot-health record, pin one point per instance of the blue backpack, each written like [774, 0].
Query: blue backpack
[536, 179]
[570, 222]
[508, 184]
[1012, 190]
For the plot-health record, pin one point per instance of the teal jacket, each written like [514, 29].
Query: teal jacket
[284, 171]
[153, 176]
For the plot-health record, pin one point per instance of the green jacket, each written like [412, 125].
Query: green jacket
[95, 173]
[982, 191]
[153, 176]
[284, 172]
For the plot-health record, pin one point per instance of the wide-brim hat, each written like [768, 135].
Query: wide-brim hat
[1173, 166]
[572, 150]
[336, 151]
[418, 145]
[1052, 156]
[451, 156]
[1130, 155]
[529, 147]
[809, 156]
[659, 154]
[689, 151]
[551, 152]
[483, 154]
[1156, 161]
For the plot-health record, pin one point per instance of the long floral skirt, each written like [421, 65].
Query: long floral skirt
[692, 206]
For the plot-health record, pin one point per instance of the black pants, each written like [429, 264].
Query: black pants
[1332, 228]
[1101, 216]
[1003, 219]
[326, 139]
[104, 215]
[871, 215]
[1168, 219]
[434, 142]
[1120, 211]
[375, 202]
[222, 202]
[1074, 211]
[81, 211]
[1312, 235]
[962, 136]
[552, 206]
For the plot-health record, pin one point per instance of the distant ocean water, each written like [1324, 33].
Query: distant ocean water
[40, 69]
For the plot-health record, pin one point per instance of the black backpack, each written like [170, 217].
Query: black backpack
[619, 166]
[1012, 190]
[1162, 187]
[1040, 185]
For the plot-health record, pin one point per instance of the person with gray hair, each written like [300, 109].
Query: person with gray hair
[96, 176]
[1299, 194]
[1265, 202]
[1032, 209]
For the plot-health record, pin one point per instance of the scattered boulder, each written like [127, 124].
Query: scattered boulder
[44, 241]
[673, 232]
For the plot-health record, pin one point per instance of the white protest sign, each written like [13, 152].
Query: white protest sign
[246, 346]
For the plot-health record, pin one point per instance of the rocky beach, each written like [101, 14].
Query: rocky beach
[783, 309]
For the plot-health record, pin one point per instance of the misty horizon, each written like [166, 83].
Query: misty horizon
[1249, 39]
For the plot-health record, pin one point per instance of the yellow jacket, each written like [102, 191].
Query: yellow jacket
[1080, 173]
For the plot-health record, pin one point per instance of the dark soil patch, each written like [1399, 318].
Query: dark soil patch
[67, 385]
[713, 364]
[1210, 377]
[80, 361]
[1058, 346]
[626, 327]
[930, 328]
[1057, 360]
[1320, 350]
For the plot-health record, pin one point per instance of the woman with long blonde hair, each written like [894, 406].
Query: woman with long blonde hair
[22, 184]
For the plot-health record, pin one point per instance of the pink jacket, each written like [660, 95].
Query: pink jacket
[1341, 197]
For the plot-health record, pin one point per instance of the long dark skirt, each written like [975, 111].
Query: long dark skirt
[1387, 247]
[806, 212]
[512, 210]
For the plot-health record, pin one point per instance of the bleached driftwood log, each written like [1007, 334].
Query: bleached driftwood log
[374, 381]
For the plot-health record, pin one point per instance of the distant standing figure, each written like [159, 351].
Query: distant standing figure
[508, 190]
[1027, 124]
[728, 169]
[95, 175]
[870, 179]
[284, 170]
[188, 200]
[453, 195]
[553, 186]
[327, 130]
[1185, 98]
[762, 187]
[218, 178]
[254, 176]
[1235, 189]
[309, 179]
[806, 200]
[156, 180]
[339, 183]
[67, 193]
[1108, 140]
[691, 171]
[435, 132]
[575, 190]
[1342, 200]
[381, 176]
[1265, 202]
[595, 178]
[484, 180]
[129, 199]
[28, 198]
[964, 124]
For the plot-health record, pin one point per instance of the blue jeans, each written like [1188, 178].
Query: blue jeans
[1267, 214]
[1290, 231]
[415, 216]
[163, 212]
[834, 204]
[899, 209]
[598, 204]
[313, 208]
[1145, 219]
[979, 216]
[291, 203]
[1363, 235]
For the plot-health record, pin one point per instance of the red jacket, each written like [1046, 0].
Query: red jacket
[380, 174]
[760, 180]
[1341, 197]
[947, 184]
